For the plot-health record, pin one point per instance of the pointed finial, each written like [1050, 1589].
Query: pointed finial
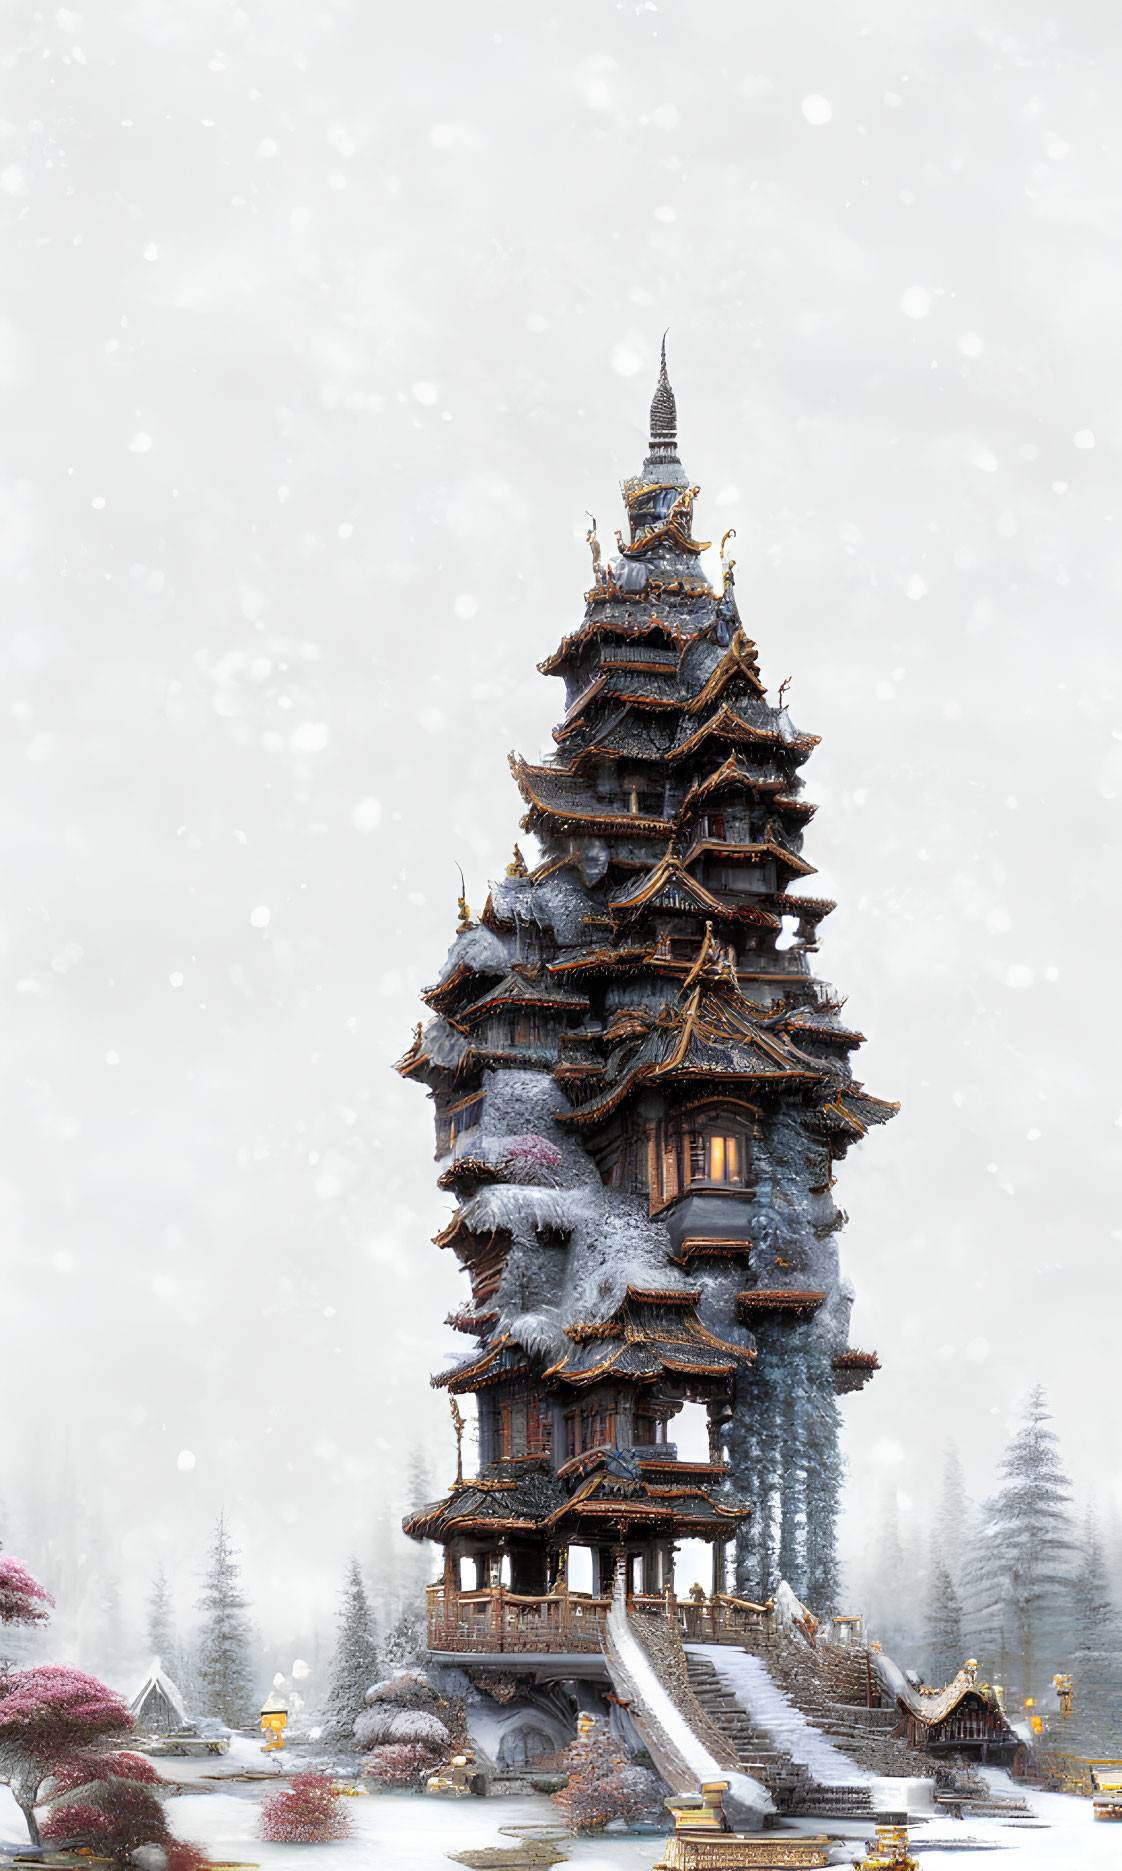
[664, 415]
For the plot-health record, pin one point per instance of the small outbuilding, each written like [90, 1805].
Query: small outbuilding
[157, 1707]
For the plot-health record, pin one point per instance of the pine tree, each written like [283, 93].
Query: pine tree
[225, 1671]
[1019, 1580]
[943, 1651]
[405, 1645]
[355, 1665]
[161, 1622]
[889, 1590]
[1096, 1662]
[110, 1635]
[948, 1536]
[418, 1482]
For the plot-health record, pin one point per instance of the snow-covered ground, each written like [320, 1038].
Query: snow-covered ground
[413, 1834]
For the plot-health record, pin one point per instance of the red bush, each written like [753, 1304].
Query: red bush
[119, 1816]
[604, 1783]
[185, 1857]
[308, 1813]
[400, 1764]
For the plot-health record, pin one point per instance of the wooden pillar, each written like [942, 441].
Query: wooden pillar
[718, 1567]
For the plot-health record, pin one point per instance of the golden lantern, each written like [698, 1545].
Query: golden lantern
[274, 1720]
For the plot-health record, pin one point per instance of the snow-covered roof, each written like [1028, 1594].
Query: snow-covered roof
[158, 1680]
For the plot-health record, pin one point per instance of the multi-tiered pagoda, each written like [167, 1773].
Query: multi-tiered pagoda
[641, 1095]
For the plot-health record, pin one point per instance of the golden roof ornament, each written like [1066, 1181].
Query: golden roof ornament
[727, 565]
[464, 921]
[517, 865]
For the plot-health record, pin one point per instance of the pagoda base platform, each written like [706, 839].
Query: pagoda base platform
[543, 1665]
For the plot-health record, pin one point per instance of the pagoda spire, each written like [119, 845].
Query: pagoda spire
[664, 416]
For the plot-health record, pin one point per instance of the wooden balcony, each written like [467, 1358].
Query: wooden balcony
[498, 1621]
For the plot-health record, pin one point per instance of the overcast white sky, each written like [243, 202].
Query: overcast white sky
[322, 326]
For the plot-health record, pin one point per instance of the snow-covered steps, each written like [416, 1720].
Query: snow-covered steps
[831, 1689]
[649, 1676]
[771, 1749]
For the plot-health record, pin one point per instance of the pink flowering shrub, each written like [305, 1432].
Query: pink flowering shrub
[51, 1710]
[532, 1159]
[401, 1764]
[309, 1812]
[22, 1598]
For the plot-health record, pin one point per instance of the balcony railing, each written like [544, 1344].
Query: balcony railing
[496, 1620]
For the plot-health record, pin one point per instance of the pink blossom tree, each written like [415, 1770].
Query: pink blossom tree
[51, 1718]
[22, 1598]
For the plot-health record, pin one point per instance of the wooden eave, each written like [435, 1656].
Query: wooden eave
[738, 664]
[469, 1169]
[670, 872]
[853, 1369]
[604, 961]
[495, 1058]
[726, 725]
[515, 997]
[488, 1368]
[447, 994]
[854, 1360]
[610, 824]
[413, 1063]
[776, 1302]
[595, 629]
[730, 776]
[703, 1247]
[669, 1469]
[755, 854]
[473, 1323]
[836, 1035]
[811, 909]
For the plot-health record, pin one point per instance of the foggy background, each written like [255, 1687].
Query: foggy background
[321, 328]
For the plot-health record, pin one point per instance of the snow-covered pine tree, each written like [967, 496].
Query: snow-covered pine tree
[892, 1591]
[355, 1665]
[161, 1623]
[225, 1670]
[418, 1479]
[943, 1651]
[1019, 1581]
[405, 1643]
[110, 1632]
[1095, 1728]
[949, 1530]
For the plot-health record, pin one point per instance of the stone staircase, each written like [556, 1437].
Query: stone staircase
[792, 1785]
[831, 1687]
